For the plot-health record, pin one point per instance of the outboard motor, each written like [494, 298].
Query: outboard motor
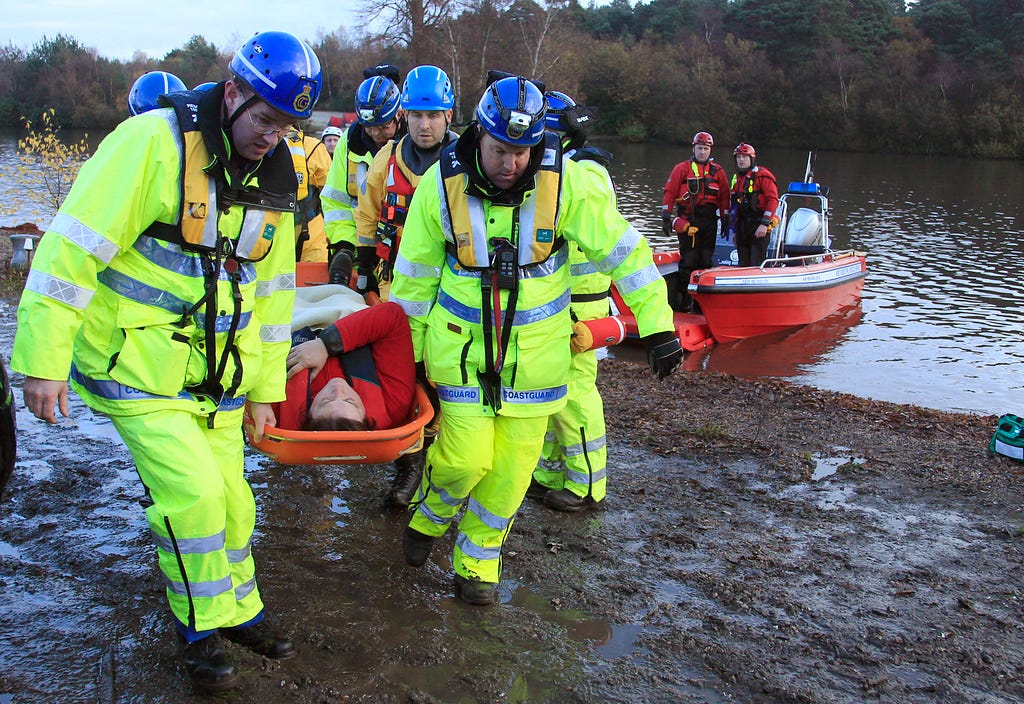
[8, 425]
[804, 228]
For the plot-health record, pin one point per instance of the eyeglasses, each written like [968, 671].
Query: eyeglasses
[264, 127]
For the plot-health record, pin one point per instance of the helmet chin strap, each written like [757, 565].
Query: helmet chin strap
[230, 120]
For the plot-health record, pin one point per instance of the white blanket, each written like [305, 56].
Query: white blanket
[319, 306]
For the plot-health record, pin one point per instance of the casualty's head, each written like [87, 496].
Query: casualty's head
[702, 143]
[149, 87]
[745, 156]
[428, 100]
[336, 407]
[510, 129]
[275, 82]
[377, 108]
[330, 137]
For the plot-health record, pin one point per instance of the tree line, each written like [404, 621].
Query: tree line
[932, 77]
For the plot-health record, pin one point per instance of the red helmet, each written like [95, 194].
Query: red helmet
[704, 138]
[744, 148]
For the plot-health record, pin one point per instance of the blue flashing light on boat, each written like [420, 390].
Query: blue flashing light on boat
[809, 188]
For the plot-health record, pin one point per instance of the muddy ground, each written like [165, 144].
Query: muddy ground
[761, 542]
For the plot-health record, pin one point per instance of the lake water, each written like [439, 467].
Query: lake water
[941, 321]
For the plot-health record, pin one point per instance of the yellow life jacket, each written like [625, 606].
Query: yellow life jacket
[298, 151]
[201, 194]
[537, 216]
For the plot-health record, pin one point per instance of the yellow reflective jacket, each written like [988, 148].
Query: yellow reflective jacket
[590, 286]
[448, 301]
[346, 181]
[312, 164]
[142, 321]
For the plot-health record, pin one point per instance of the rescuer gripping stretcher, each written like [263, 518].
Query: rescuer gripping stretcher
[483, 274]
[165, 286]
[571, 474]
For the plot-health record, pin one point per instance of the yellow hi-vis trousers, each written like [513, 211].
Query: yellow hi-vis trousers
[575, 453]
[202, 517]
[484, 463]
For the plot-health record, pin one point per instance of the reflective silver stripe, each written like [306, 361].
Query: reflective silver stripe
[585, 478]
[414, 309]
[245, 589]
[239, 554]
[527, 231]
[491, 520]
[630, 239]
[555, 262]
[336, 194]
[252, 231]
[338, 215]
[362, 172]
[478, 225]
[477, 552]
[275, 333]
[281, 282]
[446, 216]
[58, 289]
[91, 241]
[637, 280]
[210, 231]
[471, 314]
[416, 271]
[552, 465]
[258, 73]
[191, 546]
[203, 589]
[577, 449]
[583, 269]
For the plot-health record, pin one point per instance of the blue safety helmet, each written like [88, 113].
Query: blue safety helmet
[558, 103]
[150, 86]
[512, 111]
[427, 88]
[377, 101]
[205, 86]
[281, 70]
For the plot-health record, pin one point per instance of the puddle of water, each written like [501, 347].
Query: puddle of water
[8, 550]
[826, 466]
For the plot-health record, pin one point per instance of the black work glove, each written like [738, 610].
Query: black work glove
[367, 280]
[339, 271]
[666, 223]
[664, 353]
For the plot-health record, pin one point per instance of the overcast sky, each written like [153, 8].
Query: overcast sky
[119, 28]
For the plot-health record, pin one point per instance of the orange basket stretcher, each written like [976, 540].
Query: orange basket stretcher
[349, 446]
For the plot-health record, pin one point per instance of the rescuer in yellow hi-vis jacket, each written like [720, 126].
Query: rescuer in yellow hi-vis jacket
[571, 474]
[312, 163]
[379, 120]
[164, 287]
[483, 275]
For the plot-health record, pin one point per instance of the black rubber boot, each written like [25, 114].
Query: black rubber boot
[209, 665]
[477, 593]
[408, 473]
[565, 500]
[416, 546]
[262, 640]
[339, 271]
